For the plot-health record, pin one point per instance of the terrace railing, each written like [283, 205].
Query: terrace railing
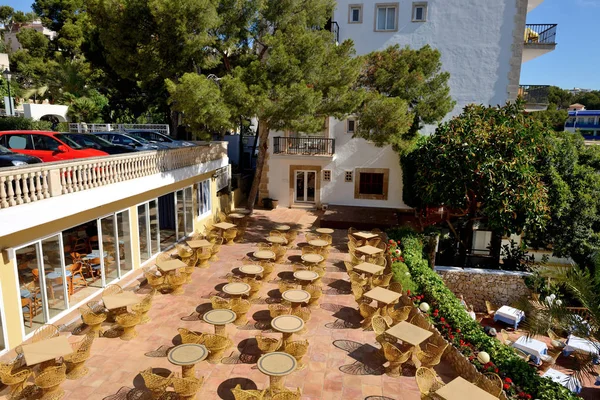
[304, 146]
[82, 127]
[534, 94]
[540, 34]
[22, 185]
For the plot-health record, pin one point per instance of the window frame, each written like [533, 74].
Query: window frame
[326, 175]
[352, 7]
[415, 5]
[396, 6]
[346, 179]
[201, 188]
[386, 183]
[348, 120]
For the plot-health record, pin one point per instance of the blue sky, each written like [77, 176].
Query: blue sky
[575, 61]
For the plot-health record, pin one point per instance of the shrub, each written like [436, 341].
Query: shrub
[20, 123]
[441, 298]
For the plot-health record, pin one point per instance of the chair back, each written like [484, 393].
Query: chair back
[44, 332]
[157, 384]
[379, 325]
[241, 394]
[275, 310]
[491, 309]
[187, 387]
[288, 395]
[427, 380]
[267, 344]
[111, 290]
[219, 303]
[395, 287]
[491, 383]
[51, 377]
[190, 337]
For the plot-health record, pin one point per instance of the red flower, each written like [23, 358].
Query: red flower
[507, 380]
[506, 386]
[391, 241]
[408, 292]
[436, 311]
[496, 370]
[527, 396]
[451, 337]
[442, 319]
[458, 331]
[521, 394]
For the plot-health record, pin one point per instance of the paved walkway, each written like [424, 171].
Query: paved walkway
[338, 360]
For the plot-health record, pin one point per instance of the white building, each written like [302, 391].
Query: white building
[10, 38]
[483, 44]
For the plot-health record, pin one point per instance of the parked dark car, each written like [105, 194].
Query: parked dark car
[11, 159]
[130, 141]
[90, 141]
[157, 137]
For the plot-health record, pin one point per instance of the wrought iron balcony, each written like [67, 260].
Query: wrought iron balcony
[303, 146]
[334, 28]
[534, 94]
[544, 34]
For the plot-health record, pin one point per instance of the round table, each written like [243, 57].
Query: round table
[276, 366]
[264, 255]
[287, 325]
[251, 269]
[276, 239]
[236, 289]
[319, 243]
[219, 318]
[296, 297]
[312, 258]
[282, 228]
[306, 277]
[236, 216]
[187, 356]
[326, 231]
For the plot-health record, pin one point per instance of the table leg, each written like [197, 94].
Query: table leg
[276, 384]
[220, 330]
[296, 306]
[188, 371]
[287, 337]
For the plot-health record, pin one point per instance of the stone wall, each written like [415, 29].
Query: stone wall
[479, 285]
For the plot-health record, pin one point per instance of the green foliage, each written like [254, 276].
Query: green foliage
[552, 117]
[36, 44]
[516, 258]
[20, 123]
[440, 297]
[84, 109]
[483, 163]
[56, 13]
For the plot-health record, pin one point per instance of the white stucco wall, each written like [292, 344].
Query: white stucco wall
[37, 111]
[475, 39]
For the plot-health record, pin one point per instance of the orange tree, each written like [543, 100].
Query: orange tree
[483, 165]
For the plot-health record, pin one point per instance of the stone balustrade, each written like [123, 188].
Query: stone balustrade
[22, 185]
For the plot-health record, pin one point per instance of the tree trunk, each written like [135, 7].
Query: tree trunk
[263, 143]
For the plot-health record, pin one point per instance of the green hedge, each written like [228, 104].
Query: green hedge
[440, 297]
[20, 123]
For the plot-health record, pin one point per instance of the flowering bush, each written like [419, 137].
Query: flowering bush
[395, 251]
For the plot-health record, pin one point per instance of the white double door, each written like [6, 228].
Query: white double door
[305, 186]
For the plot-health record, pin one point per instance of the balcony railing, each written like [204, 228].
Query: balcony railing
[335, 28]
[80, 127]
[21, 185]
[304, 146]
[534, 94]
[540, 34]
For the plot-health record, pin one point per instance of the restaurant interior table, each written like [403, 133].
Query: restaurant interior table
[535, 348]
[306, 277]
[364, 235]
[282, 228]
[187, 356]
[382, 296]
[46, 350]
[236, 289]
[196, 244]
[509, 315]
[276, 366]
[369, 250]
[251, 269]
[276, 239]
[409, 333]
[287, 325]
[461, 389]
[570, 382]
[170, 266]
[296, 297]
[120, 300]
[581, 345]
[219, 318]
[264, 255]
[312, 258]
[369, 269]
[224, 226]
[325, 231]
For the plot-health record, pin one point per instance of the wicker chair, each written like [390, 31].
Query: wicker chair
[155, 280]
[285, 285]
[241, 394]
[382, 280]
[255, 286]
[505, 339]
[175, 282]
[291, 236]
[219, 303]
[112, 290]
[267, 344]
[229, 235]
[163, 257]
[357, 278]
[420, 321]
[302, 313]
[192, 337]
[279, 252]
[379, 325]
[264, 246]
[491, 309]
[297, 349]
[309, 250]
[550, 359]
[430, 356]
[222, 217]
[395, 287]
[144, 306]
[276, 233]
[522, 355]
[349, 266]
[204, 254]
[288, 395]
[187, 388]
[46, 331]
[268, 268]
[240, 307]
[300, 267]
[216, 247]
[184, 251]
[76, 361]
[491, 383]
[396, 358]
[367, 312]
[13, 379]
[156, 384]
[275, 310]
[216, 346]
[357, 291]
[428, 382]
[557, 341]
[128, 322]
[49, 380]
[399, 314]
[315, 294]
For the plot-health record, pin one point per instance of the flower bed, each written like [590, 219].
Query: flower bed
[466, 335]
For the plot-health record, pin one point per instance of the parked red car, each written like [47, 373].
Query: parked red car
[48, 146]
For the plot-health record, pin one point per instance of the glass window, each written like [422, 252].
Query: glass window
[154, 228]
[419, 13]
[371, 183]
[189, 210]
[56, 281]
[180, 206]
[109, 249]
[386, 18]
[204, 198]
[355, 13]
[19, 142]
[167, 220]
[144, 239]
[124, 238]
[32, 299]
[41, 142]
[350, 126]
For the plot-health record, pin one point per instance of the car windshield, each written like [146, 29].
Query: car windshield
[138, 138]
[87, 140]
[153, 136]
[4, 150]
[68, 141]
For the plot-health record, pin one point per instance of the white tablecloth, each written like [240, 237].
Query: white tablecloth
[531, 346]
[511, 313]
[575, 343]
[567, 381]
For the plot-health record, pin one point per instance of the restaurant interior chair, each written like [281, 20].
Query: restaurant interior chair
[216, 247]
[154, 278]
[395, 287]
[220, 303]
[380, 325]
[187, 388]
[286, 285]
[241, 394]
[287, 394]
[240, 307]
[277, 309]
[491, 309]
[291, 236]
[315, 294]
[77, 277]
[382, 281]
[428, 382]
[311, 236]
[255, 286]
[430, 355]
[268, 268]
[358, 292]
[190, 337]
[366, 312]
[93, 243]
[142, 308]
[399, 314]
[204, 254]
[29, 310]
[396, 357]
[49, 380]
[491, 383]
[216, 346]
[128, 321]
[81, 353]
[229, 235]
[267, 344]
[297, 349]
[156, 384]
[13, 378]
[92, 319]
[279, 251]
